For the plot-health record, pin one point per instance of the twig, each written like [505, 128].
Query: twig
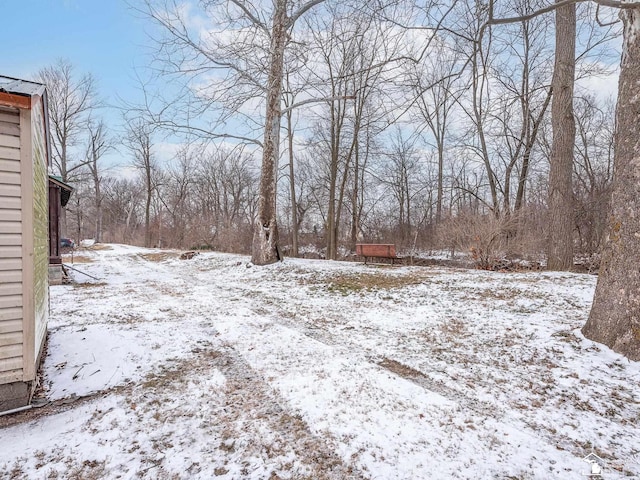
[80, 271]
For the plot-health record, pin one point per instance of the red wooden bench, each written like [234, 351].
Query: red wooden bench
[377, 250]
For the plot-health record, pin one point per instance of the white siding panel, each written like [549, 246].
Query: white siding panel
[10, 178]
[10, 264]
[9, 141]
[9, 190]
[7, 215]
[9, 165]
[9, 326]
[10, 276]
[11, 301]
[10, 227]
[11, 294]
[10, 289]
[10, 129]
[10, 117]
[9, 153]
[10, 251]
[11, 351]
[7, 316]
[10, 203]
[8, 339]
[10, 363]
[11, 376]
[7, 239]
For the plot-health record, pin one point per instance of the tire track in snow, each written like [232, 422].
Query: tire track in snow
[251, 402]
[315, 332]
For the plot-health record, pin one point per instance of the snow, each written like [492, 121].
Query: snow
[214, 368]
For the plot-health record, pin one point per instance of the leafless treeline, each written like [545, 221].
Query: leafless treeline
[389, 132]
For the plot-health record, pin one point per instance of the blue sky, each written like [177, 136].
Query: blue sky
[105, 38]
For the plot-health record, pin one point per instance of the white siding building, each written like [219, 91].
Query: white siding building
[24, 249]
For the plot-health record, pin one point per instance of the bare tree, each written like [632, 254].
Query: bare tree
[265, 234]
[289, 99]
[176, 195]
[122, 199]
[224, 192]
[480, 90]
[560, 241]
[436, 98]
[251, 53]
[98, 145]
[71, 100]
[524, 78]
[615, 315]
[203, 77]
[401, 174]
[353, 63]
[139, 141]
[593, 169]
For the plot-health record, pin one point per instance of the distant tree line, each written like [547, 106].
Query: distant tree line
[401, 136]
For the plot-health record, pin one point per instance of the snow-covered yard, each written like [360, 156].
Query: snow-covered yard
[212, 368]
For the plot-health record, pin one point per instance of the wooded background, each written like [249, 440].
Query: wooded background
[412, 123]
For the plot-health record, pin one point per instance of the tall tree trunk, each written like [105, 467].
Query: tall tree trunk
[147, 211]
[615, 316]
[331, 229]
[98, 202]
[526, 157]
[292, 188]
[265, 231]
[355, 192]
[440, 180]
[479, 80]
[560, 240]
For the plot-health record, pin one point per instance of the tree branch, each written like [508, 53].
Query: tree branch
[255, 20]
[317, 100]
[550, 8]
[301, 11]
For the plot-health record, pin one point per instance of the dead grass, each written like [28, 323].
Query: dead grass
[348, 283]
[77, 259]
[455, 328]
[98, 246]
[159, 257]
[89, 284]
[400, 369]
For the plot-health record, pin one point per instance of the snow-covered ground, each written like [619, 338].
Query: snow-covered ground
[213, 368]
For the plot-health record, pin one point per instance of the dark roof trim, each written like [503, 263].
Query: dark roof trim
[58, 181]
[65, 189]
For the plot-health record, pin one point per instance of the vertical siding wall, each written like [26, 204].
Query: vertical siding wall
[11, 300]
[40, 228]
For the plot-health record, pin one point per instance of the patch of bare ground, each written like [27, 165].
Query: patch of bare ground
[400, 369]
[97, 246]
[159, 257]
[43, 408]
[89, 284]
[242, 417]
[454, 328]
[346, 283]
[72, 259]
[481, 407]
[251, 404]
